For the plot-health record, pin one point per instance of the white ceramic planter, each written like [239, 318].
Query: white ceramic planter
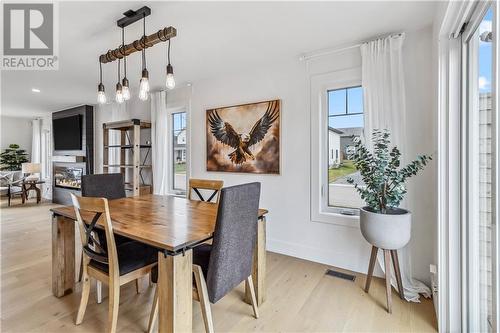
[390, 231]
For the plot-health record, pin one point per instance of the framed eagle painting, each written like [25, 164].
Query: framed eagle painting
[244, 138]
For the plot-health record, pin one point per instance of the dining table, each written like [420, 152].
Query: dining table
[174, 225]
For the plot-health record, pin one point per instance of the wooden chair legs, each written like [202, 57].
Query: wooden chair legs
[154, 312]
[114, 302]
[201, 288]
[85, 296]
[138, 286]
[252, 295]
[388, 254]
[200, 293]
[98, 287]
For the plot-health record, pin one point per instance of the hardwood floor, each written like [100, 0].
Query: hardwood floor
[300, 297]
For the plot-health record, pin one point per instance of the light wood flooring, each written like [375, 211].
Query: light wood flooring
[300, 298]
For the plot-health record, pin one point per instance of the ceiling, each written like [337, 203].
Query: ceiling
[213, 38]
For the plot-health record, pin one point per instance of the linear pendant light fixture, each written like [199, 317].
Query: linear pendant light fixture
[123, 51]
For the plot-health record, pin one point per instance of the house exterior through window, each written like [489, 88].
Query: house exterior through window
[179, 151]
[345, 123]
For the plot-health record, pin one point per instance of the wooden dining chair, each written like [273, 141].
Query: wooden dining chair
[221, 266]
[115, 265]
[195, 185]
[110, 186]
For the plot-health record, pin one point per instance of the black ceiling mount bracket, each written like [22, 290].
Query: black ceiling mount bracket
[132, 16]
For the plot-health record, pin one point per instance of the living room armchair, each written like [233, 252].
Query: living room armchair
[11, 184]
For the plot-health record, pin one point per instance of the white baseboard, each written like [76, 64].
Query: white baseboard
[327, 257]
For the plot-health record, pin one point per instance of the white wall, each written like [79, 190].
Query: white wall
[287, 196]
[15, 130]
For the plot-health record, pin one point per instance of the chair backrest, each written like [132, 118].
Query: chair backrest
[108, 185]
[234, 239]
[213, 187]
[96, 209]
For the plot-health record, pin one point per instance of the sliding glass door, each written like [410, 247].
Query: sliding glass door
[480, 159]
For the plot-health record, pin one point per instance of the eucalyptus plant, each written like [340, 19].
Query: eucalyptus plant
[384, 181]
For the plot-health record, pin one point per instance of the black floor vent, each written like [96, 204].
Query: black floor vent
[340, 275]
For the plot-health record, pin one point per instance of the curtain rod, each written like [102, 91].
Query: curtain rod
[320, 53]
[324, 52]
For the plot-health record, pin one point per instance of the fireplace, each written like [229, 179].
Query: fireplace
[68, 177]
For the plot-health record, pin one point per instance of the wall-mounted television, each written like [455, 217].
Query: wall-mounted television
[67, 133]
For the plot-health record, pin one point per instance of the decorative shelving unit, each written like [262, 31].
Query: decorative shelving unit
[132, 166]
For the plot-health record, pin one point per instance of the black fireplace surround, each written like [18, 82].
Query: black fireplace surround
[67, 175]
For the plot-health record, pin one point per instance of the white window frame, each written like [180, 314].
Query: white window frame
[319, 87]
[470, 237]
[171, 170]
[449, 292]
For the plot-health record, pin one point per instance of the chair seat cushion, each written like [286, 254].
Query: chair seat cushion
[16, 189]
[201, 257]
[132, 255]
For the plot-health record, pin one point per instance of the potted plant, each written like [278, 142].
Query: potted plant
[382, 222]
[12, 158]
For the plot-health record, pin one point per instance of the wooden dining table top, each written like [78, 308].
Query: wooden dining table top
[163, 221]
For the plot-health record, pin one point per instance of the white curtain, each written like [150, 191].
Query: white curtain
[41, 151]
[159, 142]
[36, 141]
[385, 108]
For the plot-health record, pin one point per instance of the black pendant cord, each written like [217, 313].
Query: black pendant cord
[100, 72]
[168, 52]
[144, 42]
[119, 71]
[124, 56]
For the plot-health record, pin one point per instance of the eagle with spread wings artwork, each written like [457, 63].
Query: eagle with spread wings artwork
[244, 138]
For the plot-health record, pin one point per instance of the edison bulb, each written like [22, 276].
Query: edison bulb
[126, 93]
[101, 97]
[119, 97]
[170, 81]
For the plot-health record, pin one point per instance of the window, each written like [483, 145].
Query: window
[479, 172]
[336, 115]
[345, 123]
[179, 152]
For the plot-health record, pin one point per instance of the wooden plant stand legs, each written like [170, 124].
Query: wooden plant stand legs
[387, 262]
[397, 271]
[388, 254]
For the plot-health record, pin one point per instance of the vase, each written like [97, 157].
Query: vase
[390, 231]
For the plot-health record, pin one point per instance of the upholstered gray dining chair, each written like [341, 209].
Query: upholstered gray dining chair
[110, 186]
[221, 266]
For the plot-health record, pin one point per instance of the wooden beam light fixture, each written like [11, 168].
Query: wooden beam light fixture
[162, 35]
[141, 44]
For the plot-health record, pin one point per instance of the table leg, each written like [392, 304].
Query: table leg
[24, 195]
[175, 292]
[38, 194]
[259, 266]
[63, 256]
